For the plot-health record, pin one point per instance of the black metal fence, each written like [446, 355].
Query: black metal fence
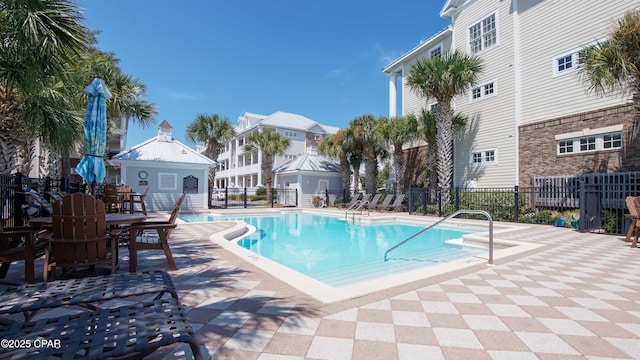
[589, 202]
[21, 197]
[252, 198]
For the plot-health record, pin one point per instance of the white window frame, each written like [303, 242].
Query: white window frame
[483, 43]
[482, 88]
[291, 134]
[438, 48]
[579, 138]
[167, 177]
[575, 58]
[484, 154]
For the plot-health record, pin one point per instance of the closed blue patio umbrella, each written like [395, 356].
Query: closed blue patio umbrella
[91, 167]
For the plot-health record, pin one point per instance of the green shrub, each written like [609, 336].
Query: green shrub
[261, 191]
[257, 197]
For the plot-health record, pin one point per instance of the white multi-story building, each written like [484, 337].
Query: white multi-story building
[530, 113]
[239, 169]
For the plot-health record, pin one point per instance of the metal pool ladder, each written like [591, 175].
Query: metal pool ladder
[481, 212]
[358, 210]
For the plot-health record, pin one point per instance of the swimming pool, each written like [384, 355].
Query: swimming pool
[339, 253]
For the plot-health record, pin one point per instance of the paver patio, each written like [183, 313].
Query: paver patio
[576, 297]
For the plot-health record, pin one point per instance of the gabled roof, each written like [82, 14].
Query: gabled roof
[425, 44]
[163, 151]
[310, 163]
[451, 7]
[288, 120]
[285, 120]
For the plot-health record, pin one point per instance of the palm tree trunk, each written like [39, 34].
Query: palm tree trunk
[444, 116]
[345, 173]
[399, 167]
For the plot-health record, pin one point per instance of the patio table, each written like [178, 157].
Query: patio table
[112, 219]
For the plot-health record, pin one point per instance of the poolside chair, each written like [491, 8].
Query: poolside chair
[633, 206]
[138, 199]
[80, 235]
[354, 200]
[153, 235]
[111, 198]
[385, 202]
[374, 201]
[397, 204]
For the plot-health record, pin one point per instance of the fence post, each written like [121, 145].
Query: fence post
[245, 198]
[425, 201]
[273, 196]
[583, 208]
[296, 198]
[326, 197]
[457, 202]
[18, 200]
[516, 208]
[439, 200]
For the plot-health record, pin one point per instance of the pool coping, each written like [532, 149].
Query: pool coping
[326, 294]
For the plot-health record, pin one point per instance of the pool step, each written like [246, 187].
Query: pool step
[348, 275]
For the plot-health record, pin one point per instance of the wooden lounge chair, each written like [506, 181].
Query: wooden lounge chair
[138, 199]
[397, 204]
[20, 243]
[153, 235]
[111, 198]
[385, 202]
[633, 206]
[79, 235]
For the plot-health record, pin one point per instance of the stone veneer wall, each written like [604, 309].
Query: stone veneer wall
[538, 153]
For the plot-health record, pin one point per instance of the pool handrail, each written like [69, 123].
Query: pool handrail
[359, 208]
[458, 212]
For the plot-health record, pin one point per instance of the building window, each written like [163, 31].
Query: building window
[290, 157]
[476, 93]
[435, 52]
[291, 134]
[565, 63]
[565, 146]
[167, 181]
[484, 157]
[589, 143]
[612, 141]
[483, 91]
[483, 34]
[489, 156]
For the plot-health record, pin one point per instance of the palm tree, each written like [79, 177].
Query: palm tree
[428, 132]
[332, 146]
[212, 131]
[615, 63]
[41, 42]
[366, 132]
[270, 144]
[398, 131]
[443, 78]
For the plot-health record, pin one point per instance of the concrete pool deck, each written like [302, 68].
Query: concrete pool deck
[576, 296]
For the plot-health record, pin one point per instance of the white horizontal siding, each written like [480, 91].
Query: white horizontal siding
[492, 121]
[552, 28]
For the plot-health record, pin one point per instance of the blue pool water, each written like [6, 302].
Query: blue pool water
[340, 253]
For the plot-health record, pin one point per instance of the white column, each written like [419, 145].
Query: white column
[260, 167]
[393, 94]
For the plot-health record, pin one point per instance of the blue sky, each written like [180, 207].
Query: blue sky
[320, 59]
